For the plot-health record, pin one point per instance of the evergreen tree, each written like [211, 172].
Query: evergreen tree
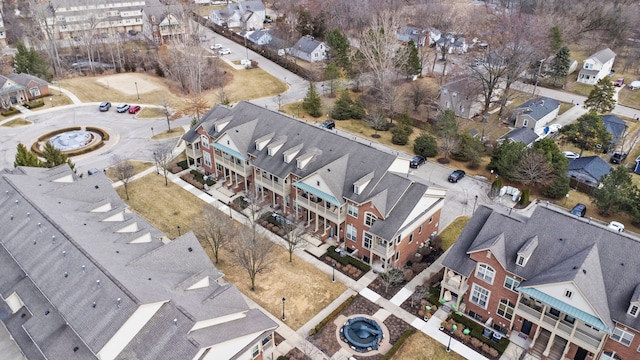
[413, 65]
[342, 108]
[54, 157]
[471, 149]
[613, 194]
[331, 73]
[25, 157]
[587, 132]
[401, 132]
[425, 145]
[446, 123]
[560, 65]
[556, 38]
[600, 98]
[339, 49]
[311, 102]
[506, 158]
[357, 110]
[30, 62]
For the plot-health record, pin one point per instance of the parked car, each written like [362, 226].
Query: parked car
[618, 157]
[329, 124]
[224, 51]
[216, 47]
[456, 176]
[132, 32]
[417, 161]
[105, 106]
[570, 155]
[579, 210]
[133, 109]
[616, 226]
[634, 85]
[619, 82]
[122, 108]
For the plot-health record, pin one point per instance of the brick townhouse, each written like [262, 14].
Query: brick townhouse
[568, 285]
[341, 190]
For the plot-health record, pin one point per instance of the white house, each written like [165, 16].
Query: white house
[248, 15]
[596, 67]
[309, 49]
[537, 113]
[260, 37]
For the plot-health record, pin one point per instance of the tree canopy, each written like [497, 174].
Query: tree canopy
[311, 102]
[30, 62]
[506, 158]
[600, 98]
[587, 132]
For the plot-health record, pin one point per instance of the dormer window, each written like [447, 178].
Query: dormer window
[633, 310]
[356, 189]
[521, 261]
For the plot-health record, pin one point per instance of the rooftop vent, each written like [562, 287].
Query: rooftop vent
[98, 284]
[53, 239]
[175, 322]
[75, 349]
[35, 242]
[190, 249]
[584, 271]
[93, 305]
[64, 253]
[118, 302]
[66, 274]
[97, 187]
[83, 268]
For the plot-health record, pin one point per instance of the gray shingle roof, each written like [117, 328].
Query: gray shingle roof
[592, 165]
[25, 79]
[615, 126]
[306, 45]
[539, 108]
[603, 55]
[601, 263]
[523, 135]
[82, 280]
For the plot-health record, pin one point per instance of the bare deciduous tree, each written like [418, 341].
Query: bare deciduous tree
[253, 254]
[162, 156]
[449, 144]
[377, 120]
[124, 171]
[293, 236]
[534, 170]
[214, 228]
[391, 277]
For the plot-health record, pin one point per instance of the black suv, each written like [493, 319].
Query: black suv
[579, 210]
[329, 124]
[618, 157]
[417, 161]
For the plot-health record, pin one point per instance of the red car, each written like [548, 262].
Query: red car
[619, 82]
[134, 109]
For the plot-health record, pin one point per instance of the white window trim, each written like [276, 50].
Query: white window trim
[621, 336]
[355, 232]
[505, 304]
[483, 274]
[370, 237]
[479, 288]
[369, 216]
[631, 311]
[514, 281]
[352, 213]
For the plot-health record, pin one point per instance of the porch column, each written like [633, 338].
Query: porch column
[549, 344]
[535, 336]
[513, 318]
[317, 220]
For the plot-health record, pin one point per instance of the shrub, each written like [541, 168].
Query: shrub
[476, 333]
[34, 104]
[11, 111]
[182, 164]
[199, 177]
[347, 260]
[331, 316]
[400, 134]
[425, 145]
[56, 132]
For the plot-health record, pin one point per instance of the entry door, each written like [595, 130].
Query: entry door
[581, 354]
[526, 327]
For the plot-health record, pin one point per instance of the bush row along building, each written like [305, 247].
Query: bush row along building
[81, 277]
[567, 284]
[343, 191]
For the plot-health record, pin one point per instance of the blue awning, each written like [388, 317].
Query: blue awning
[228, 151]
[565, 308]
[316, 192]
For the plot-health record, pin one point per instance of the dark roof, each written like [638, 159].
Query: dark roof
[592, 165]
[83, 266]
[523, 135]
[615, 126]
[539, 108]
[306, 45]
[600, 262]
[25, 79]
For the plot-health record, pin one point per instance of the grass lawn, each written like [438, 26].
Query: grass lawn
[306, 288]
[421, 347]
[251, 84]
[450, 234]
[175, 132]
[138, 167]
[150, 113]
[16, 123]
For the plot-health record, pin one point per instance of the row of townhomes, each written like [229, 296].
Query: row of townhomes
[341, 190]
[84, 278]
[567, 284]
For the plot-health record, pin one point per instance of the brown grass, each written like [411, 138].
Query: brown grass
[138, 167]
[307, 289]
[175, 132]
[450, 234]
[16, 123]
[421, 347]
[251, 84]
[150, 113]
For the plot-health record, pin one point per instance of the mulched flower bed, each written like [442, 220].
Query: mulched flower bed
[326, 339]
[379, 288]
[348, 270]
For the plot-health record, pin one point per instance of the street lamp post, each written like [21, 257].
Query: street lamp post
[333, 276]
[136, 83]
[453, 328]
[322, 89]
[152, 134]
[230, 214]
[475, 202]
[51, 99]
[178, 230]
[283, 317]
[298, 111]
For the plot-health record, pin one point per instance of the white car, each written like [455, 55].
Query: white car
[225, 51]
[216, 46]
[570, 155]
[554, 128]
[616, 226]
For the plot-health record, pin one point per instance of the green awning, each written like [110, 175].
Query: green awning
[565, 308]
[317, 192]
[228, 151]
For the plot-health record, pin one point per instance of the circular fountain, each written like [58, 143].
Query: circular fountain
[71, 140]
[362, 334]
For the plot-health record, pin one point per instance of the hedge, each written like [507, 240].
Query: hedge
[331, 316]
[434, 296]
[103, 134]
[182, 164]
[34, 104]
[476, 332]
[405, 335]
[59, 131]
[346, 260]
[11, 111]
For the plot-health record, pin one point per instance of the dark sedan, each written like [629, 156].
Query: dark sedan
[456, 176]
[417, 161]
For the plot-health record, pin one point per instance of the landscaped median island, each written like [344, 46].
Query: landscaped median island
[307, 290]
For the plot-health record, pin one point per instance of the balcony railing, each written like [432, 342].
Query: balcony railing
[232, 165]
[319, 206]
[529, 311]
[276, 187]
[193, 153]
[383, 251]
[587, 339]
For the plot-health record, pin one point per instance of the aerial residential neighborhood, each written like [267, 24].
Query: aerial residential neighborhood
[203, 179]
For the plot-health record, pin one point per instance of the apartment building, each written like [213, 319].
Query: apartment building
[342, 191]
[82, 277]
[567, 284]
